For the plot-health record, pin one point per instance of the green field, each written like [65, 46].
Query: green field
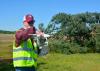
[74, 62]
[52, 61]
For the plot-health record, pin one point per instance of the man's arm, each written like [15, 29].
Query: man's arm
[26, 33]
[23, 35]
[18, 38]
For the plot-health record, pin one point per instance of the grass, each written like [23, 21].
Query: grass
[6, 52]
[74, 62]
[6, 46]
[50, 62]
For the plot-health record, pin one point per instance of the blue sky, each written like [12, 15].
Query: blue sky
[12, 11]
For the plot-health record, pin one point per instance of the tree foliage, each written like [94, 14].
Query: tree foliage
[7, 32]
[78, 28]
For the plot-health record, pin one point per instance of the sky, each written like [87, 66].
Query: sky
[12, 11]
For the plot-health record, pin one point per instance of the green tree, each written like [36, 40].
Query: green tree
[41, 27]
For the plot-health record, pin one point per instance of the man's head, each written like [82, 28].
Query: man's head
[28, 20]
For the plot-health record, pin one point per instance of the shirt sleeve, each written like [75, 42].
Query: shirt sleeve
[18, 37]
[26, 33]
[23, 35]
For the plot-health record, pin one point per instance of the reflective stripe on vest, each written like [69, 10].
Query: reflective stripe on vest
[24, 58]
[24, 55]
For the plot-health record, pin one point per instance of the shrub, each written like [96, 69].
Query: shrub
[59, 46]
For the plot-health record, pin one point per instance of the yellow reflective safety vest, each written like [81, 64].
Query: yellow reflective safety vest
[25, 55]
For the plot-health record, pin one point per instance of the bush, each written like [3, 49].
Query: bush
[83, 49]
[98, 47]
[59, 46]
[90, 44]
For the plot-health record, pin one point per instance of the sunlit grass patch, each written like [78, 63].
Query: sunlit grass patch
[74, 62]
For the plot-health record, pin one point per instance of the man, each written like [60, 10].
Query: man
[24, 53]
